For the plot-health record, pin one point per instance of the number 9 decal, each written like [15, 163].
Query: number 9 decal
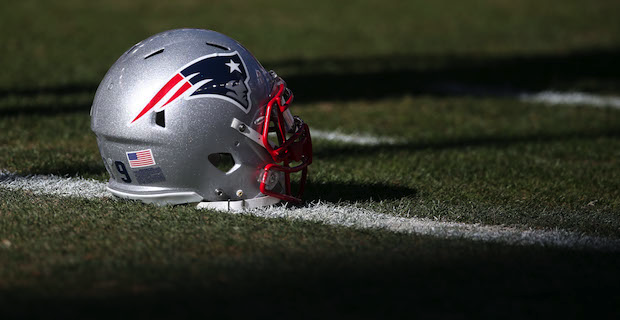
[120, 167]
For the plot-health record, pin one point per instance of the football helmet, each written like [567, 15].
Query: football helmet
[190, 116]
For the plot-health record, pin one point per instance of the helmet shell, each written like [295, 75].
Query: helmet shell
[182, 134]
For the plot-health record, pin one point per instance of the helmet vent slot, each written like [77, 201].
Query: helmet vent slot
[154, 53]
[222, 161]
[160, 118]
[133, 48]
[217, 46]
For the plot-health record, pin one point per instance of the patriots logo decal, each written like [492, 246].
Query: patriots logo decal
[218, 75]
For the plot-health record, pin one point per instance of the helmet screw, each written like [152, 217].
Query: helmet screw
[242, 127]
[219, 192]
[239, 193]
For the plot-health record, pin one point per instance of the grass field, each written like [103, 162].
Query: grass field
[440, 82]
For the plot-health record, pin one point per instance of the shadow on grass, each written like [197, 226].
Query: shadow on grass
[389, 76]
[352, 192]
[44, 110]
[481, 281]
[334, 151]
[344, 79]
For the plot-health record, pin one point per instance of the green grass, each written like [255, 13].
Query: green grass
[75, 42]
[105, 258]
[493, 161]
[383, 68]
[490, 161]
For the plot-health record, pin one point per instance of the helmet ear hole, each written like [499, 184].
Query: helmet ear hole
[222, 161]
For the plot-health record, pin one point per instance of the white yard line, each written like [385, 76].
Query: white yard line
[572, 98]
[341, 215]
[360, 218]
[358, 139]
[54, 185]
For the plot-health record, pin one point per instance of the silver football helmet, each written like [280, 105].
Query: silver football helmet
[190, 116]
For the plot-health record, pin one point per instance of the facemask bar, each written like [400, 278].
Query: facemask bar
[293, 144]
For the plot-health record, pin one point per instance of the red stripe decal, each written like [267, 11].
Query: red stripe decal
[179, 92]
[162, 92]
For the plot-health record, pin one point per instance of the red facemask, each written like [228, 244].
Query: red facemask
[294, 145]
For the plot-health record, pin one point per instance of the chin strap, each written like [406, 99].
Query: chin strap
[238, 205]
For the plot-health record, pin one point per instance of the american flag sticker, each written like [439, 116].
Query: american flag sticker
[142, 158]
